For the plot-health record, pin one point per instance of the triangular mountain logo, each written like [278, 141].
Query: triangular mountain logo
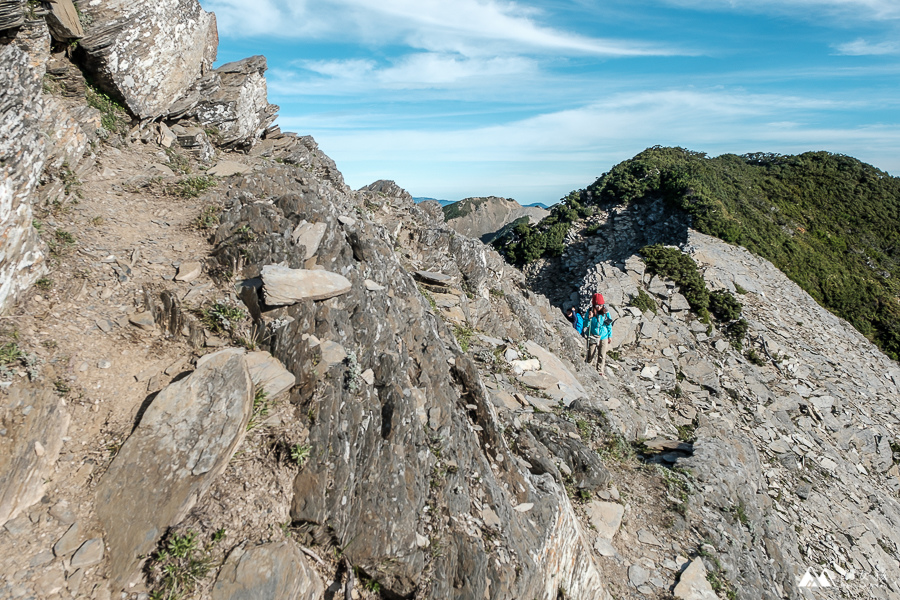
[811, 581]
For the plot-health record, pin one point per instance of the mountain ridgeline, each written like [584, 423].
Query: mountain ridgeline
[830, 222]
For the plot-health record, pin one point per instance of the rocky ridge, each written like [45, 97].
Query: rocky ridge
[482, 218]
[428, 431]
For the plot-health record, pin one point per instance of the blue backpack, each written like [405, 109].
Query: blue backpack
[579, 322]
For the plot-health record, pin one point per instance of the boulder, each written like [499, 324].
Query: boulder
[693, 585]
[269, 374]
[266, 372]
[233, 100]
[267, 572]
[699, 371]
[553, 366]
[148, 52]
[22, 158]
[195, 141]
[309, 235]
[283, 286]
[63, 21]
[606, 517]
[183, 442]
[35, 421]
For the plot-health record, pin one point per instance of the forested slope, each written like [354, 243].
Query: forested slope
[830, 222]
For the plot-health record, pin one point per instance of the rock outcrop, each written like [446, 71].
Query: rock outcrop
[22, 157]
[148, 53]
[183, 442]
[233, 100]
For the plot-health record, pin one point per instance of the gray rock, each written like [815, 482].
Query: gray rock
[12, 14]
[143, 320]
[22, 156]
[182, 443]
[283, 286]
[227, 168]
[69, 542]
[233, 100]
[647, 537]
[90, 553]
[148, 52]
[269, 374]
[638, 575]
[63, 21]
[435, 278]
[693, 585]
[606, 517]
[196, 141]
[678, 303]
[189, 271]
[30, 448]
[309, 235]
[552, 365]
[267, 572]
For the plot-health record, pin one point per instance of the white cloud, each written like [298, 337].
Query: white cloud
[423, 70]
[861, 47]
[468, 27]
[544, 157]
[855, 9]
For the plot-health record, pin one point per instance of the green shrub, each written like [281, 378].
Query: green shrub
[680, 268]
[191, 187]
[113, 116]
[643, 302]
[737, 331]
[222, 318]
[464, 336]
[724, 305]
[179, 566]
[300, 453]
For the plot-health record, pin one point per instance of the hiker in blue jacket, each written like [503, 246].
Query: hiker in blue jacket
[598, 330]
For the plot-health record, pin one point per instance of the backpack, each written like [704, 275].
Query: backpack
[579, 322]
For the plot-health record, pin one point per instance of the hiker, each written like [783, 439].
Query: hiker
[575, 318]
[598, 329]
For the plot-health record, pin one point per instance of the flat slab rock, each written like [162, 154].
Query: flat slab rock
[227, 168]
[36, 421]
[693, 584]
[283, 286]
[268, 572]
[183, 442]
[432, 277]
[606, 517]
[266, 371]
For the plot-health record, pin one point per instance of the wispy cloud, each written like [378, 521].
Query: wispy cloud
[416, 71]
[467, 27]
[569, 146]
[854, 9]
[862, 47]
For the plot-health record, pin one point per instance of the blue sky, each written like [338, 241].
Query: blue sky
[536, 98]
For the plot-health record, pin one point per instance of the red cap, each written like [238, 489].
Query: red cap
[598, 299]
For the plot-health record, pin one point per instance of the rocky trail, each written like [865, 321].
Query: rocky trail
[227, 375]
